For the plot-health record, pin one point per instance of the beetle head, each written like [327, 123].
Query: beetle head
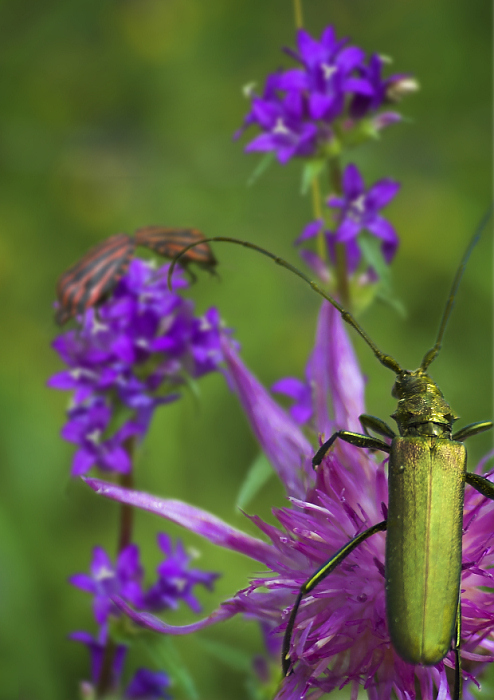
[422, 409]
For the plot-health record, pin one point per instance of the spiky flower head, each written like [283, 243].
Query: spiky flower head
[341, 635]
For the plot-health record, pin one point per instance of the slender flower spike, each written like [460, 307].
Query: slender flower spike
[128, 357]
[340, 635]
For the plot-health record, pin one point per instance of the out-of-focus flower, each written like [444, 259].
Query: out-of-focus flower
[128, 357]
[340, 635]
[148, 685]
[106, 580]
[299, 110]
[175, 579]
[358, 209]
[96, 649]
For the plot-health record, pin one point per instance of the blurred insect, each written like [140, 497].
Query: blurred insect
[90, 281]
[168, 242]
[426, 480]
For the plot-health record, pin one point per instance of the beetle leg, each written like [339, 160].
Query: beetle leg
[377, 425]
[354, 439]
[472, 429]
[456, 648]
[316, 578]
[481, 484]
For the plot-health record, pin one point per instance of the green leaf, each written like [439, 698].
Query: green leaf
[257, 475]
[310, 171]
[236, 659]
[261, 167]
[165, 656]
[385, 295]
[371, 251]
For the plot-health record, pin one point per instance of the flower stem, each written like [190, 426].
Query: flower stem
[317, 210]
[106, 679]
[342, 286]
[105, 685]
[299, 19]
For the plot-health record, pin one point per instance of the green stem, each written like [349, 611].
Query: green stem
[342, 286]
[318, 214]
[299, 19]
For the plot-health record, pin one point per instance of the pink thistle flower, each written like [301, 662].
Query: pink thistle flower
[340, 635]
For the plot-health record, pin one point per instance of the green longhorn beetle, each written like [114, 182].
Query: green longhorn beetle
[426, 481]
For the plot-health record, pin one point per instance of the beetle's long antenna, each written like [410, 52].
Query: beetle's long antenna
[431, 354]
[385, 360]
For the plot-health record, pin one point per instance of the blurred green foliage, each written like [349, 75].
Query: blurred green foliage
[120, 113]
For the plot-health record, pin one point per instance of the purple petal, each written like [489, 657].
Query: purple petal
[347, 230]
[320, 105]
[381, 228]
[382, 193]
[353, 182]
[291, 386]
[316, 264]
[82, 462]
[385, 119]
[293, 80]
[336, 367]
[194, 519]
[309, 231]
[279, 436]
[350, 58]
[224, 612]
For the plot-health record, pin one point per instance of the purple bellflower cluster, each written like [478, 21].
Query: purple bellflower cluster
[125, 359]
[175, 583]
[313, 110]
[340, 636]
[128, 357]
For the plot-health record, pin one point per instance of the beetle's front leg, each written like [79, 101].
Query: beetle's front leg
[480, 484]
[356, 439]
[316, 578]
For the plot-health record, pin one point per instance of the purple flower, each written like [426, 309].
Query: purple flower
[326, 76]
[358, 210]
[96, 649]
[383, 90]
[107, 580]
[340, 635]
[285, 129]
[127, 358]
[175, 579]
[297, 111]
[148, 685]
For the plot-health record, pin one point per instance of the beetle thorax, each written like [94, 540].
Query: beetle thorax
[422, 410]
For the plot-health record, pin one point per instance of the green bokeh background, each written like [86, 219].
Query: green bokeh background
[120, 113]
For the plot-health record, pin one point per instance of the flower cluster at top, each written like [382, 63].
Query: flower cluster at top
[340, 636]
[128, 357]
[311, 110]
[174, 584]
